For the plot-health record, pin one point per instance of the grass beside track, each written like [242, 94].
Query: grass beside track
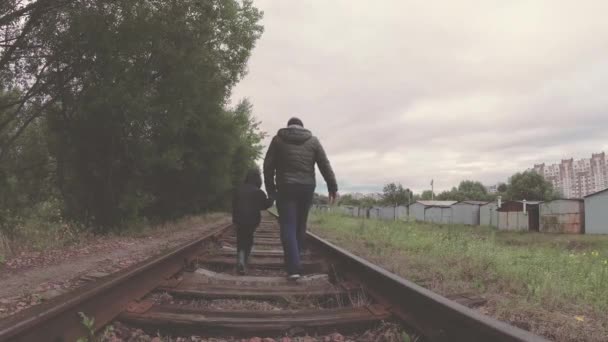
[37, 235]
[554, 285]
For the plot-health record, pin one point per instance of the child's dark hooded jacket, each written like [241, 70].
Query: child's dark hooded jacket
[249, 200]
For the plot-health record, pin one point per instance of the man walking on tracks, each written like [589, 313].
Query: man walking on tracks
[291, 157]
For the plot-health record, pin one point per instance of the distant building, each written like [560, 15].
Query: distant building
[492, 189]
[577, 178]
[467, 212]
[438, 214]
[389, 213]
[417, 211]
[562, 216]
[488, 214]
[519, 215]
[596, 215]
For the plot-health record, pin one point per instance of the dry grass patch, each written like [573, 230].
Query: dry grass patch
[57, 234]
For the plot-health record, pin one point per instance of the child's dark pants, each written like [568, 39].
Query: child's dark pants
[244, 238]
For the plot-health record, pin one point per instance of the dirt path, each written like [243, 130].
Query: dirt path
[31, 278]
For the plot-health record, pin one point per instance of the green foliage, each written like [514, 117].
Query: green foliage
[502, 188]
[107, 333]
[42, 227]
[395, 194]
[89, 324]
[451, 195]
[530, 186]
[26, 174]
[347, 199]
[426, 195]
[365, 202]
[467, 190]
[247, 138]
[368, 202]
[473, 190]
[129, 117]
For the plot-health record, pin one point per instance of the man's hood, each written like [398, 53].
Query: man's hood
[294, 134]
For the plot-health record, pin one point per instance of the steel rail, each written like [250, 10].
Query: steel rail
[438, 318]
[59, 319]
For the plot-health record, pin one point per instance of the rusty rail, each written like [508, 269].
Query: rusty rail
[58, 319]
[436, 317]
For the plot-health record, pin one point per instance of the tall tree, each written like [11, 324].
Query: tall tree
[348, 199]
[530, 186]
[502, 188]
[26, 176]
[450, 195]
[133, 94]
[395, 194]
[473, 190]
[426, 195]
[248, 138]
[466, 190]
[27, 65]
[368, 202]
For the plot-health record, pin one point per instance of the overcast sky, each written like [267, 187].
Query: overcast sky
[407, 91]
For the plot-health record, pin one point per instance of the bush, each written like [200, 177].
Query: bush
[43, 227]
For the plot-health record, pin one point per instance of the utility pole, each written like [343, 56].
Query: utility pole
[432, 190]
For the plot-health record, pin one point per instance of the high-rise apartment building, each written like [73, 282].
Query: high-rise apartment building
[577, 178]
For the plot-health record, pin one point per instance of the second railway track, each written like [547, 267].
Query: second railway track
[193, 290]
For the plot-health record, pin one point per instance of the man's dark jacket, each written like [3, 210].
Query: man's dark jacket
[249, 200]
[291, 157]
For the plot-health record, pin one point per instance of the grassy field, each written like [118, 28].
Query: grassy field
[554, 285]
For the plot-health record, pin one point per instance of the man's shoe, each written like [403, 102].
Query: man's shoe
[293, 276]
[247, 254]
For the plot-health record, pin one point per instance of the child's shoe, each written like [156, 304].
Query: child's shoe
[240, 265]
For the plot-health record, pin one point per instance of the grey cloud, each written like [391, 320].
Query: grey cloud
[408, 91]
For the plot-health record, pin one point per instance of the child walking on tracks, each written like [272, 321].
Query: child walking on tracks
[247, 203]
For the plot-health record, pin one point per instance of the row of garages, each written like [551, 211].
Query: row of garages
[574, 216]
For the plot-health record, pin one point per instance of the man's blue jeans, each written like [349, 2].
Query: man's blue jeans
[293, 204]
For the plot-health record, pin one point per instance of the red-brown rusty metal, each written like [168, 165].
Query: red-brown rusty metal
[59, 319]
[175, 318]
[139, 307]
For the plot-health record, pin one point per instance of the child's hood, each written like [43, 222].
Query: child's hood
[253, 177]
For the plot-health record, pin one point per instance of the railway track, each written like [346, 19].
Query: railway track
[193, 290]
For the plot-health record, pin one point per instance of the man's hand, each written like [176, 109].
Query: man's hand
[333, 197]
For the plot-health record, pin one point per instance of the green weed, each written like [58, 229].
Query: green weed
[89, 324]
[546, 269]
